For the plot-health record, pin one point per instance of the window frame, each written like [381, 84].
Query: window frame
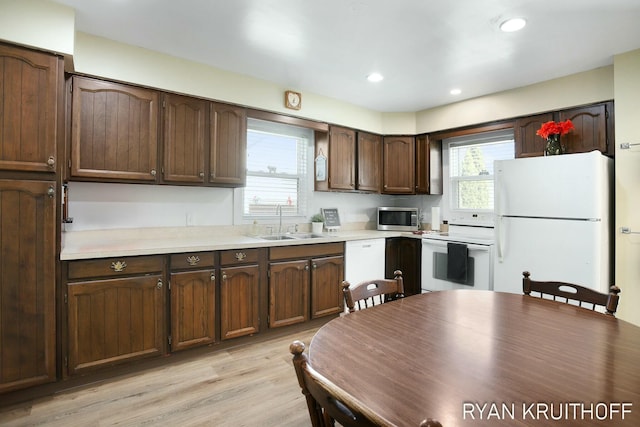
[469, 216]
[305, 184]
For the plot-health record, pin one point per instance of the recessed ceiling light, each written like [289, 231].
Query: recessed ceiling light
[514, 24]
[455, 91]
[375, 77]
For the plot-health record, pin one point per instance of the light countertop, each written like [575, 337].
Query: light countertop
[152, 241]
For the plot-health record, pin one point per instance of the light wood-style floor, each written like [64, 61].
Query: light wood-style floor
[250, 385]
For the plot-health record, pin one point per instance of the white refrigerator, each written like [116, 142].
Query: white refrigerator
[553, 219]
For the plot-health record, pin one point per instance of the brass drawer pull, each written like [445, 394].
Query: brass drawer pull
[241, 255]
[118, 266]
[193, 260]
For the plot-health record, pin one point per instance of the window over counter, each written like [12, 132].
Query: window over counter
[468, 173]
[277, 170]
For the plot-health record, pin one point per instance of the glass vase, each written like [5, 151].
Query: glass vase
[553, 145]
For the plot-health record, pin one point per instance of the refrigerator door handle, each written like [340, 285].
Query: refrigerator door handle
[499, 238]
[498, 211]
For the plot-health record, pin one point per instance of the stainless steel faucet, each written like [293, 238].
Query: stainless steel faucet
[279, 213]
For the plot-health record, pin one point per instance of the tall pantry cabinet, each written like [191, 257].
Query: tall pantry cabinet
[31, 87]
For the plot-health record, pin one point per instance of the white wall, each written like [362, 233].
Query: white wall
[36, 23]
[627, 268]
[576, 89]
[95, 206]
[105, 58]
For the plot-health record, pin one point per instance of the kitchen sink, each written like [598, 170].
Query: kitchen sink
[276, 237]
[306, 236]
[292, 236]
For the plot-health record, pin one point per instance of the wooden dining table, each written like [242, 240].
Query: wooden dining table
[484, 358]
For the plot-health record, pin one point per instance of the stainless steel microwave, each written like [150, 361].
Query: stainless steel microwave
[398, 219]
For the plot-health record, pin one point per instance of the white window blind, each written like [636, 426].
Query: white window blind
[471, 168]
[276, 169]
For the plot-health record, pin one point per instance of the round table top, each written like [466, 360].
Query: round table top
[484, 358]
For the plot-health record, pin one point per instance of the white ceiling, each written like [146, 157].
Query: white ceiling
[424, 48]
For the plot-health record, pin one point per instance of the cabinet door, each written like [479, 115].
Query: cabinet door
[184, 138]
[342, 159]
[398, 175]
[327, 275]
[114, 131]
[115, 320]
[590, 131]
[369, 162]
[288, 293]
[239, 294]
[193, 312]
[228, 145]
[527, 143]
[27, 283]
[29, 84]
[428, 165]
[404, 254]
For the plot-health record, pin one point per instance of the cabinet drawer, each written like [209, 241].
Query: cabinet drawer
[304, 251]
[239, 256]
[192, 260]
[121, 266]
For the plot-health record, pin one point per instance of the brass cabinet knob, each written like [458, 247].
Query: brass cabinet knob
[51, 161]
[153, 172]
[118, 266]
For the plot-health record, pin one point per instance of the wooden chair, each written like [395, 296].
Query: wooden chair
[569, 291]
[372, 292]
[326, 402]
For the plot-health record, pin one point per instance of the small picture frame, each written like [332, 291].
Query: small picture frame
[331, 218]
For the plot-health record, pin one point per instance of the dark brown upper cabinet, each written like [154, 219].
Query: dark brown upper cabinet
[593, 130]
[398, 174]
[527, 143]
[590, 131]
[114, 131]
[369, 162]
[30, 82]
[342, 158]
[228, 145]
[428, 165]
[184, 130]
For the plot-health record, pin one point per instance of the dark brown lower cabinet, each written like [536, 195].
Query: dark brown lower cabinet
[193, 309]
[27, 283]
[116, 311]
[288, 292]
[305, 282]
[327, 274]
[239, 293]
[115, 320]
[192, 285]
[404, 254]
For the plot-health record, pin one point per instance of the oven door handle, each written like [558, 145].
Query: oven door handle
[443, 244]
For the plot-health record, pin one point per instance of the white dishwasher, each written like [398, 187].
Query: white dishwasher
[364, 260]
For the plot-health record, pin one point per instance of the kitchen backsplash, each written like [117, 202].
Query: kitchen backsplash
[99, 206]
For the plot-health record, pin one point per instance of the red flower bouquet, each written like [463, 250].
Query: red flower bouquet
[551, 128]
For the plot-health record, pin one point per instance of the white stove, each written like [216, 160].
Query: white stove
[444, 266]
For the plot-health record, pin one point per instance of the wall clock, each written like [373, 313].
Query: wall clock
[292, 100]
